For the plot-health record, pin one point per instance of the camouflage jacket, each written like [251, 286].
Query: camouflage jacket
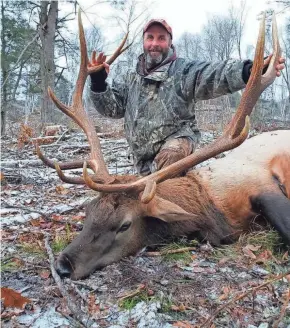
[161, 105]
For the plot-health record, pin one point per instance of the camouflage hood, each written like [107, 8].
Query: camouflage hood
[160, 105]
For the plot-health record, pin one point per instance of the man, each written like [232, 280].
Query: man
[158, 99]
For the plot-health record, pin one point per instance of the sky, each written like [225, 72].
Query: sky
[181, 15]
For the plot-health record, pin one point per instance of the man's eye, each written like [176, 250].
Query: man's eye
[125, 226]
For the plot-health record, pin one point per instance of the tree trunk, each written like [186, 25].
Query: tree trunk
[47, 19]
[4, 70]
[17, 82]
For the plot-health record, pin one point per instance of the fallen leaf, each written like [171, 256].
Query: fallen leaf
[13, 298]
[78, 217]
[150, 292]
[47, 225]
[2, 176]
[285, 256]
[174, 308]
[93, 308]
[224, 260]
[179, 308]
[264, 257]
[288, 277]
[35, 222]
[253, 248]
[44, 274]
[248, 252]
[61, 190]
[225, 294]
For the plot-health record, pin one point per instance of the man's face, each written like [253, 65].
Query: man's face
[156, 43]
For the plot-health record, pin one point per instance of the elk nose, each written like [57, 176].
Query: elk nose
[63, 266]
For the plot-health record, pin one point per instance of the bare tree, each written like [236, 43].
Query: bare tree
[131, 16]
[239, 15]
[47, 19]
[189, 46]
[219, 37]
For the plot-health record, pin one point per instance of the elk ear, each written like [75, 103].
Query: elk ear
[166, 211]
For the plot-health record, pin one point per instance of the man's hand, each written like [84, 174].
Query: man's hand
[279, 67]
[101, 59]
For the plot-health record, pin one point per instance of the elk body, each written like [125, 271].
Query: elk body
[215, 203]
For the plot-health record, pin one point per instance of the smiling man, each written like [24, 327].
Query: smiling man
[158, 99]
[157, 43]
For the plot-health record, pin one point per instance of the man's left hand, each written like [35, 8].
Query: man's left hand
[279, 67]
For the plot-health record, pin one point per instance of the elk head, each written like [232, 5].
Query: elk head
[130, 212]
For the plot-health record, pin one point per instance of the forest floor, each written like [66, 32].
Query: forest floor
[199, 286]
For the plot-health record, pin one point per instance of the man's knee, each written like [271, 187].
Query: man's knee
[172, 151]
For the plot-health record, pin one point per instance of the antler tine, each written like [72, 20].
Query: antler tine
[63, 166]
[59, 167]
[77, 112]
[257, 82]
[270, 75]
[234, 135]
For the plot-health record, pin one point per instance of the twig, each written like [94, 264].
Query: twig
[84, 285]
[239, 297]
[172, 251]
[79, 292]
[65, 132]
[132, 294]
[283, 310]
[76, 312]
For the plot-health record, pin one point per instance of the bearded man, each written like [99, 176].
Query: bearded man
[158, 99]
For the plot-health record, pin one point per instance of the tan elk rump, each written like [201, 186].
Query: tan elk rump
[216, 203]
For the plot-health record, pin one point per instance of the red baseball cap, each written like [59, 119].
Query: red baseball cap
[160, 22]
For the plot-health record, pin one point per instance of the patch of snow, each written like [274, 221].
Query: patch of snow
[20, 218]
[50, 318]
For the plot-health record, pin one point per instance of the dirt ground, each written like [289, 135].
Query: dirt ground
[186, 289]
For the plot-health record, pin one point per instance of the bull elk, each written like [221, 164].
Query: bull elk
[216, 203]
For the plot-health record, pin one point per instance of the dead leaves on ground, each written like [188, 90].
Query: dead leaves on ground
[13, 299]
[25, 135]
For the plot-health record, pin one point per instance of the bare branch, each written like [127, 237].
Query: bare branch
[77, 313]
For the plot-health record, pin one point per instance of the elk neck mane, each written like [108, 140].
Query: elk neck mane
[191, 194]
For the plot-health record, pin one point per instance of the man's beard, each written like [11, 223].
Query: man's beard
[152, 61]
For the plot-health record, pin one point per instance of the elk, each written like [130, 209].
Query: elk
[216, 203]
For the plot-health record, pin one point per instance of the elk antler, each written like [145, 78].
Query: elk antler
[77, 112]
[235, 133]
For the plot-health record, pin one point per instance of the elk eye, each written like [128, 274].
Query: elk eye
[125, 226]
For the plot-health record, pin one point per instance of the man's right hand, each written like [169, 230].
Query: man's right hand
[101, 59]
